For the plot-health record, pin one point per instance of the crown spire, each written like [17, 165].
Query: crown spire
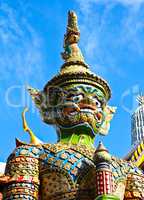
[71, 39]
[72, 27]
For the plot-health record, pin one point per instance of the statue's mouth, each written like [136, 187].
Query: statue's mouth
[83, 108]
[88, 109]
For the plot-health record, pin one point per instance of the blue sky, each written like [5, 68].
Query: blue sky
[31, 38]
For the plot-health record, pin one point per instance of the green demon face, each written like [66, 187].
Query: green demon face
[81, 105]
[75, 106]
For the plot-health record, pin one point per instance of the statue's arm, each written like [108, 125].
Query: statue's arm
[22, 171]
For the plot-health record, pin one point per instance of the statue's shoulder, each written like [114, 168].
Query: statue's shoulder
[70, 149]
[123, 168]
[128, 177]
[23, 163]
[57, 147]
[25, 150]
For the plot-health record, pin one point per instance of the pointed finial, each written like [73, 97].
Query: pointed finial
[101, 154]
[71, 38]
[34, 139]
[140, 99]
[101, 147]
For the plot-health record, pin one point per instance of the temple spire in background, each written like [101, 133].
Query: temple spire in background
[140, 100]
[138, 122]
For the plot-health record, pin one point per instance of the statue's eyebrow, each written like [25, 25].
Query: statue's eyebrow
[73, 89]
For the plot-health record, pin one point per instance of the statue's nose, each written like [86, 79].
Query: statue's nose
[88, 100]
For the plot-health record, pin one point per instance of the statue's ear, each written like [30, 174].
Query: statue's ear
[108, 113]
[36, 96]
[40, 100]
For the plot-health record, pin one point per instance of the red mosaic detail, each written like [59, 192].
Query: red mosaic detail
[104, 182]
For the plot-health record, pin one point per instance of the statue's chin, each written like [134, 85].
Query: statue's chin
[84, 128]
[76, 118]
[82, 122]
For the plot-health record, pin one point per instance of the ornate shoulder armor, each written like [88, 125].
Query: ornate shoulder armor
[22, 173]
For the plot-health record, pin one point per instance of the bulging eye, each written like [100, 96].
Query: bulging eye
[98, 104]
[77, 98]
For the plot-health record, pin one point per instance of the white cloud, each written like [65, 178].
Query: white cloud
[85, 4]
[132, 32]
[102, 31]
[20, 47]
